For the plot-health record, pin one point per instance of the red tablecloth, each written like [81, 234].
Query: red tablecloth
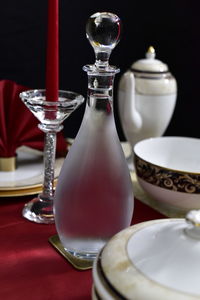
[30, 268]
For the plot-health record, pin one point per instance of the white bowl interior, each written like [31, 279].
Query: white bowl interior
[177, 153]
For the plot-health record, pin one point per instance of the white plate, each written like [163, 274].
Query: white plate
[29, 171]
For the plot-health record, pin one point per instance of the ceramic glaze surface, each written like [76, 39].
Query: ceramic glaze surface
[170, 199]
[128, 253]
[177, 153]
[165, 254]
[146, 120]
[151, 65]
[155, 86]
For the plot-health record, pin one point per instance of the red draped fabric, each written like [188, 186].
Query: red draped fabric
[30, 268]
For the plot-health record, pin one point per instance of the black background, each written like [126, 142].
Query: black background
[172, 27]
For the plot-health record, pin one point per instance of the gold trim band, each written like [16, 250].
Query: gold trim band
[7, 164]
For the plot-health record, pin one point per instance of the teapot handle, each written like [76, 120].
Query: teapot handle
[131, 118]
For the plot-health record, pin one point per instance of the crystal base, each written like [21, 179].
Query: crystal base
[82, 255]
[38, 211]
[85, 248]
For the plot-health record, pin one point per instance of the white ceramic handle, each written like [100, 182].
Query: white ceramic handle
[193, 218]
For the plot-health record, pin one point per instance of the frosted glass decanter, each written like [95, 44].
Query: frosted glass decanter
[94, 195]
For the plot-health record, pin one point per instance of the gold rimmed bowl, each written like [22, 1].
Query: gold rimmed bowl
[168, 170]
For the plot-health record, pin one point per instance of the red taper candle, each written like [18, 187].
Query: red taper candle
[52, 59]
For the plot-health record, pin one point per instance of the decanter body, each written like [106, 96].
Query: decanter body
[94, 195]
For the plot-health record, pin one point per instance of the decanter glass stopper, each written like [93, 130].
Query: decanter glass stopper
[103, 31]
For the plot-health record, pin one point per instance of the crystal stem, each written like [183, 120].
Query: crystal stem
[49, 161]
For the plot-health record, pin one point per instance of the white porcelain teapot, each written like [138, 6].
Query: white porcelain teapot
[146, 98]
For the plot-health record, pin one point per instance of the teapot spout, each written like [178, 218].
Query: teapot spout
[130, 117]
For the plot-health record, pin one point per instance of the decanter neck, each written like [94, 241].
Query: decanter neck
[100, 82]
[100, 104]
[100, 92]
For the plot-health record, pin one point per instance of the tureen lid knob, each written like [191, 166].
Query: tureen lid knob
[193, 218]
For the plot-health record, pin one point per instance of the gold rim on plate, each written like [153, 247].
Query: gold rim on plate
[24, 192]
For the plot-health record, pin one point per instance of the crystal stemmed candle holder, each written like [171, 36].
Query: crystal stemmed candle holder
[51, 115]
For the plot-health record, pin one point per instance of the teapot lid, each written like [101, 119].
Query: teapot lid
[157, 259]
[150, 63]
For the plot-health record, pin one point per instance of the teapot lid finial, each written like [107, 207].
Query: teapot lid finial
[151, 53]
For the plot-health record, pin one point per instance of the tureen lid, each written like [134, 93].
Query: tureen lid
[157, 259]
[150, 63]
